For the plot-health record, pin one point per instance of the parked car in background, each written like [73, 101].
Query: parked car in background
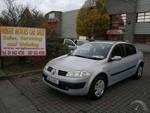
[93, 67]
[80, 42]
[73, 44]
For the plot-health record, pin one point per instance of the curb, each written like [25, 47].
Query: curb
[19, 75]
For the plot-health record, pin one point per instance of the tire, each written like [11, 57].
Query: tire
[139, 72]
[97, 88]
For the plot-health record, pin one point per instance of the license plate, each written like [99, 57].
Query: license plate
[53, 80]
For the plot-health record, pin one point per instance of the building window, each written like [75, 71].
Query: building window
[90, 3]
[124, 18]
[51, 16]
[143, 17]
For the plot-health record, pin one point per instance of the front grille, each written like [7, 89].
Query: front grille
[68, 85]
[49, 69]
[62, 73]
[65, 85]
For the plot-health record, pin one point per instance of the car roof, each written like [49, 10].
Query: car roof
[112, 42]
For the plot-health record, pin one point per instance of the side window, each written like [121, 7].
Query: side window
[130, 49]
[118, 51]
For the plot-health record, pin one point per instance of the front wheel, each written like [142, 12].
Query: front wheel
[139, 72]
[97, 88]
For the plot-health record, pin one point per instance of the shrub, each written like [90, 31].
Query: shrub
[55, 49]
[55, 40]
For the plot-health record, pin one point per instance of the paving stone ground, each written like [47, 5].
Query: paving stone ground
[3, 109]
[13, 101]
[117, 99]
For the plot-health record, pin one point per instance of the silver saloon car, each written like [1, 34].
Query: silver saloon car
[93, 67]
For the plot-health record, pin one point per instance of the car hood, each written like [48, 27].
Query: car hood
[75, 63]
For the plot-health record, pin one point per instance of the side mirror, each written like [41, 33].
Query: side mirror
[116, 58]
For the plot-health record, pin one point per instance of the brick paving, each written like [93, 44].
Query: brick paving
[117, 99]
[3, 109]
[12, 101]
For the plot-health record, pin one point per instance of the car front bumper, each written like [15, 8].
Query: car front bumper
[69, 86]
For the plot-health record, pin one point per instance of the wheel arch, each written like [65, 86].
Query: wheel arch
[100, 74]
[141, 63]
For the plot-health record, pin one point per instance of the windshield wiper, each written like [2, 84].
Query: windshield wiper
[94, 58]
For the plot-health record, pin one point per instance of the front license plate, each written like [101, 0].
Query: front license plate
[53, 80]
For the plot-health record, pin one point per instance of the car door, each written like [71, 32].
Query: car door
[130, 59]
[117, 68]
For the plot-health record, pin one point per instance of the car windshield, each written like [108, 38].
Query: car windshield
[93, 50]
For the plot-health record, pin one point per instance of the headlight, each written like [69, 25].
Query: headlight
[78, 74]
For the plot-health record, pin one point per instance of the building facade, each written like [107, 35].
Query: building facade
[54, 21]
[63, 23]
[134, 13]
[137, 28]
[68, 24]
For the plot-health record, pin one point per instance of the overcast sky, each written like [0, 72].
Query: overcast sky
[48, 5]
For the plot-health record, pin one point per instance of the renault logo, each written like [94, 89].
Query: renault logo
[54, 72]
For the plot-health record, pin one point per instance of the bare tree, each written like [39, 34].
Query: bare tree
[15, 15]
[11, 15]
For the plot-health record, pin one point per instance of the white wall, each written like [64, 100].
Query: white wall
[68, 28]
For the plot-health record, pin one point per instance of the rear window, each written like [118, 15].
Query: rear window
[130, 49]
